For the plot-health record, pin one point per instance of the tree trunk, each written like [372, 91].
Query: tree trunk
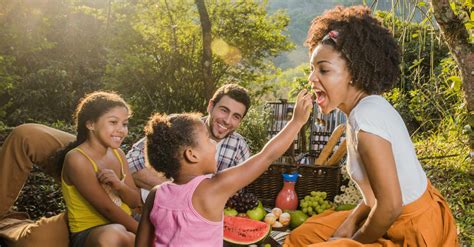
[173, 28]
[206, 49]
[457, 39]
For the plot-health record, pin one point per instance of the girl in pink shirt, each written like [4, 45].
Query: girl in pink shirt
[189, 210]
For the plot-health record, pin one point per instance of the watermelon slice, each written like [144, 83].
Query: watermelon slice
[244, 231]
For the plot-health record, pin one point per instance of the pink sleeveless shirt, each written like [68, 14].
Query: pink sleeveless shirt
[176, 221]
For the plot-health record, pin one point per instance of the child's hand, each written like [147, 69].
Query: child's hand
[108, 176]
[303, 107]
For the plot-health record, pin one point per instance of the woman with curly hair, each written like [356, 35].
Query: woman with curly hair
[353, 60]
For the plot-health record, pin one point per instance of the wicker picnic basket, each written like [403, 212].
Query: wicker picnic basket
[313, 178]
[308, 144]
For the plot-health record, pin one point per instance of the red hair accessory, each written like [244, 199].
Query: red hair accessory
[331, 35]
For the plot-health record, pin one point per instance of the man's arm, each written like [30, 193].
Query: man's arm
[144, 176]
[147, 178]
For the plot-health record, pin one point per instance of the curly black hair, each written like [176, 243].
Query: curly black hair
[370, 50]
[166, 138]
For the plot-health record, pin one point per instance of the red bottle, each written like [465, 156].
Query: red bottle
[287, 198]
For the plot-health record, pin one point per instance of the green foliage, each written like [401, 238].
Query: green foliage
[135, 133]
[41, 196]
[40, 96]
[300, 84]
[444, 153]
[301, 13]
[54, 55]
[428, 103]
[254, 127]
[422, 98]
[7, 81]
[156, 60]
[420, 46]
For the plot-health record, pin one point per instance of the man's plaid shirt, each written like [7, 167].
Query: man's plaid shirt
[231, 151]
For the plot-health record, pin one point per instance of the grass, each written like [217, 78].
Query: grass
[445, 157]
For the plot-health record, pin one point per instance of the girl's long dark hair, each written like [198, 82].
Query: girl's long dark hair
[90, 108]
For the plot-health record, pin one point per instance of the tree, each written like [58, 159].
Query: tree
[206, 48]
[457, 38]
[52, 54]
[156, 56]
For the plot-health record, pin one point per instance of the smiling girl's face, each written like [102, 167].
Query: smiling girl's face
[112, 127]
[330, 79]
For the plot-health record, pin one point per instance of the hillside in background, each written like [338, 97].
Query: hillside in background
[301, 12]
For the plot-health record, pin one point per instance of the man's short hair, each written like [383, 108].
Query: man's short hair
[236, 92]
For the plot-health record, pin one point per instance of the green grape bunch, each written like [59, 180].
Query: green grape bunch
[315, 203]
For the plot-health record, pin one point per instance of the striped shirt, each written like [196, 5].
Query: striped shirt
[231, 151]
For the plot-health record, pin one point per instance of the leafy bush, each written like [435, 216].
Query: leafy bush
[444, 154]
[254, 127]
[156, 61]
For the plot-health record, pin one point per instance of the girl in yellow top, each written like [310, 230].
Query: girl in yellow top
[96, 183]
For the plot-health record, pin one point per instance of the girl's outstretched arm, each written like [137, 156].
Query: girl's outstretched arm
[79, 172]
[213, 194]
[146, 231]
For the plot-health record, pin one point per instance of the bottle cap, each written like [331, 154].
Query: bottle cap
[290, 177]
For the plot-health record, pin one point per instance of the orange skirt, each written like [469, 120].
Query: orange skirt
[424, 222]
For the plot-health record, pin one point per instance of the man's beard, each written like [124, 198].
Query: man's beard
[211, 130]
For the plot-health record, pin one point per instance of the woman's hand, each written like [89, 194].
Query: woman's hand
[108, 176]
[346, 229]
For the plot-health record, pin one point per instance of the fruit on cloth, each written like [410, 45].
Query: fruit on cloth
[297, 218]
[242, 201]
[284, 218]
[230, 212]
[257, 213]
[270, 218]
[243, 231]
[343, 207]
[315, 203]
[277, 212]
[277, 224]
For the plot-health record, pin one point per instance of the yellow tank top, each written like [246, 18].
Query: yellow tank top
[81, 214]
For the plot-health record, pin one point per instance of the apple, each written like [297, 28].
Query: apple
[230, 212]
[257, 213]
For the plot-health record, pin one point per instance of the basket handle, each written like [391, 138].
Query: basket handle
[332, 141]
